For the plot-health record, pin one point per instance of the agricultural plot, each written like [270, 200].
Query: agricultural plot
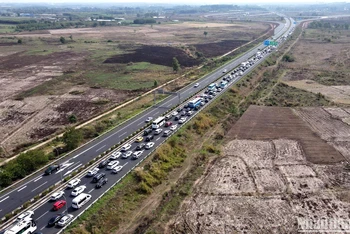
[263, 184]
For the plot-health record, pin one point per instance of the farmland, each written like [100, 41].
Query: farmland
[95, 69]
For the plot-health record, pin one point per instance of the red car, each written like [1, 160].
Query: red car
[167, 124]
[59, 204]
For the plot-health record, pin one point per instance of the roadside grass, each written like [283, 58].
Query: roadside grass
[7, 28]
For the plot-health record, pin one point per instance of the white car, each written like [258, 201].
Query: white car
[93, 172]
[196, 85]
[127, 154]
[65, 220]
[125, 147]
[112, 165]
[117, 169]
[158, 131]
[27, 214]
[149, 119]
[182, 120]
[175, 113]
[137, 154]
[115, 155]
[172, 128]
[73, 183]
[78, 190]
[57, 195]
[224, 71]
[149, 145]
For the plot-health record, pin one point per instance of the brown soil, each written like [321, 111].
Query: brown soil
[261, 123]
[218, 48]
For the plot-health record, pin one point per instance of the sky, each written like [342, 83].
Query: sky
[199, 2]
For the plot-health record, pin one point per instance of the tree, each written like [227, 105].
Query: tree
[19, 41]
[62, 40]
[72, 118]
[71, 37]
[176, 65]
[205, 33]
[155, 84]
[72, 137]
[5, 178]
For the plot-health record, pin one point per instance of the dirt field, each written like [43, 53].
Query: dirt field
[44, 81]
[322, 61]
[262, 184]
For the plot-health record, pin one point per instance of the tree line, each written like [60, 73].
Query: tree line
[320, 24]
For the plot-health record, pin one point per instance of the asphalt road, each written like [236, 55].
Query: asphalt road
[38, 183]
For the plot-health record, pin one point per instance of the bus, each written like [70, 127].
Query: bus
[24, 226]
[195, 102]
[212, 86]
[158, 122]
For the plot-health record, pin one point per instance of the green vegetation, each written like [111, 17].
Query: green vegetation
[72, 138]
[288, 58]
[145, 21]
[62, 40]
[176, 65]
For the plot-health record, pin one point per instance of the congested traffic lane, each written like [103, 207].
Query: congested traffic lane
[38, 183]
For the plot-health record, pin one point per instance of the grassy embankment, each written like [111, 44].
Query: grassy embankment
[167, 177]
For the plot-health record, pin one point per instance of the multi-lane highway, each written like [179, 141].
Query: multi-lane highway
[38, 182]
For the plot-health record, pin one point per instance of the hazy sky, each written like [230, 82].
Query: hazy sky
[199, 2]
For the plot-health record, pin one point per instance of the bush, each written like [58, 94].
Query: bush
[288, 58]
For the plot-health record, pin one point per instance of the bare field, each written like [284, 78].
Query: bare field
[45, 81]
[264, 184]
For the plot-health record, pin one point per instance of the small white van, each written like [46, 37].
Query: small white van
[80, 200]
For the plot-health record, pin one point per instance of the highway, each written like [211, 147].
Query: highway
[38, 183]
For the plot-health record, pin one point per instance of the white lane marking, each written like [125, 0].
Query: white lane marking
[37, 179]
[4, 199]
[64, 166]
[157, 113]
[157, 138]
[42, 228]
[123, 133]
[22, 188]
[169, 105]
[72, 169]
[125, 164]
[43, 214]
[91, 190]
[39, 186]
[139, 123]
[100, 148]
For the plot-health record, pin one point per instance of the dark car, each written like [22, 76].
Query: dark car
[103, 164]
[206, 100]
[185, 106]
[51, 169]
[177, 118]
[98, 177]
[179, 109]
[54, 220]
[149, 138]
[140, 146]
[102, 182]
[147, 131]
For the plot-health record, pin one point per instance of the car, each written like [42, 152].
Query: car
[206, 100]
[175, 113]
[98, 176]
[210, 97]
[202, 103]
[65, 220]
[166, 133]
[112, 165]
[54, 220]
[183, 113]
[73, 183]
[149, 119]
[102, 182]
[78, 190]
[219, 90]
[117, 169]
[167, 124]
[59, 204]
[57, 195]
[127, 154]
[206, 91]
[186, 106]
[179, 109]
[51, 169]
[92, 172]
[103, 164]
[214, 94]
[147, 131]
[172, 128]
[125, 147]
[27, 214]
[167, 117]
[149, 138]
[177, 118]
[224, 71]
[137, 154]
[195, 108]
[196, 85]
[158, 131]
[139, 139]
[182, 120]
[149, 145]
[115, 155]
[140, 146]
[189, 113]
